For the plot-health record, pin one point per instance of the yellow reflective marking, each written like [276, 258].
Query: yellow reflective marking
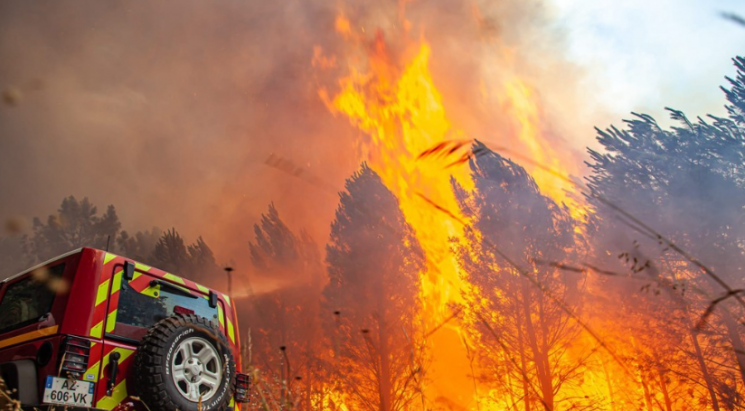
[117, 284]
[142, 267]
[231, 332]
[123, 352]
[203, 288]
[172, 277]
[108, 257]
[91, 374]
[28, 336]
[136, 275]
[220, 315]
[227, 299]
[151, 291]
[111, 321]
[97, 330]
[117, 396]
[103, 292]
[94, 371]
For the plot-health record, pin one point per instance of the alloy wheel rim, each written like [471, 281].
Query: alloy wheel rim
[196, 369]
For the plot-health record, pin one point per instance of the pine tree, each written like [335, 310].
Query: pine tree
[688, 184]
[170, 253]
[514, 236]
[139, 247]
[76, 224]
[195, 261]
[374, 261]
[288, 316]
[276, 245]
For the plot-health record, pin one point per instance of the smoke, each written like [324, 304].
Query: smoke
[170, 110]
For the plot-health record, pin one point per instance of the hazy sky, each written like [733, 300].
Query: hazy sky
[644, 55]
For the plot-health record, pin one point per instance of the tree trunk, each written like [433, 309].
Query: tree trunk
[647, 395]
[539, 357]
[705, 371]
[308, 383]
[385, 385]
[610, 386]
[699, 355]
[734, 337]
[509, 387]
[523, 369]
[663, 387]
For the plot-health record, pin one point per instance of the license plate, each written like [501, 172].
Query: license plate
[68, 392]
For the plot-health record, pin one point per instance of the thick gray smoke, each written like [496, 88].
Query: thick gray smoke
[169, 110]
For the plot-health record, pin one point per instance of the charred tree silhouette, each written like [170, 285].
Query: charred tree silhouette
[195, 261]
[275, 244]
[289, 316]
[141, 245]
[76, 224]
[522, 337]
[374, 261]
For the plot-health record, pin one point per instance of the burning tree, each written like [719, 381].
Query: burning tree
[515, 309]
[684, 185]
[374, 261]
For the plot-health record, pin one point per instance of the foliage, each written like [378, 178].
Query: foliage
[76, 224]
[374, 262]
[287, 346]
[522, 334]
[687, 183]
[195, 261]
[141, 245]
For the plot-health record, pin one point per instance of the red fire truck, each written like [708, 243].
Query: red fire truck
[93, 330]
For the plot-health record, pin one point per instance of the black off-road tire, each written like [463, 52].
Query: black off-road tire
[152, 375]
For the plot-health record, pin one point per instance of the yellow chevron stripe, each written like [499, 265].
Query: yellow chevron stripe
[28, 336]
[97, 330]
[174, 278]
[94, 369]
[117, 284]
[227, 299]
[117, 396]
[202, 288]
[123, 352]
[108, 257]
[231, 332]
[111, 321]
[220, 315]
[142, 267]
[103, 292]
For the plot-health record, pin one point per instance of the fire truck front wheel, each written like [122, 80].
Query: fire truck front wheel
[185, 363]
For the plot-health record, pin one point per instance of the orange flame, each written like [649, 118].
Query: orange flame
[403, 117]
[401, 114]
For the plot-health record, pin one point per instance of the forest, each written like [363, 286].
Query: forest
[635, 303]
